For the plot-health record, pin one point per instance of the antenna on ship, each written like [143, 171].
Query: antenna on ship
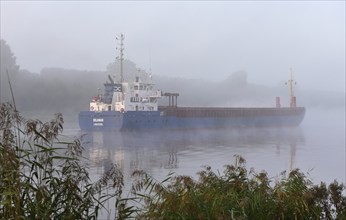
[292, 82]
[121, 38]
[150, 70]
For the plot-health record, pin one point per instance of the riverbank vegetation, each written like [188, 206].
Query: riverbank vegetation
[43, 176]
[239, 194]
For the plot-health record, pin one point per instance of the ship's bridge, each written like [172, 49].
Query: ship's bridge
[140, 96]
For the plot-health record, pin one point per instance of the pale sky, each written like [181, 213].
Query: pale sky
[193, 39]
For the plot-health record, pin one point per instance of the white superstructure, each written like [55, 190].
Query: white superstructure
[137, 95]
[127, 96]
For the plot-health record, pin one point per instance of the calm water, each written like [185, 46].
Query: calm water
[316, 147]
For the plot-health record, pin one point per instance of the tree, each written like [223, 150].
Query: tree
[7, 64]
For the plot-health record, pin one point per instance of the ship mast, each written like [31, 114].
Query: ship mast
[121, 54]
[292, 82]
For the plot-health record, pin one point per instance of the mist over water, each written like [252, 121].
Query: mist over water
[324, 149]
[317, 147]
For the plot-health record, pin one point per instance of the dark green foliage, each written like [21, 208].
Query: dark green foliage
[44, 178]
[238, 194]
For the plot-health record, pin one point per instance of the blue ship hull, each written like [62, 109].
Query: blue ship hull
[190, 118]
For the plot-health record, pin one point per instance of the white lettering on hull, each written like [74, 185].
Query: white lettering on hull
[97, 119]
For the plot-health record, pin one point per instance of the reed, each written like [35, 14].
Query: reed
[42, 177]
[238, 194]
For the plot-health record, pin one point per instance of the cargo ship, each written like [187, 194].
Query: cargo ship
[134, 105]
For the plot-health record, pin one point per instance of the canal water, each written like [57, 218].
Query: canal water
[316, 147]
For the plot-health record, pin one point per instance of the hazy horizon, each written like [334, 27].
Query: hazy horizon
[206, 40]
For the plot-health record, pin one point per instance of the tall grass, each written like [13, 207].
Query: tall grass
[37, 181]
[238, 194]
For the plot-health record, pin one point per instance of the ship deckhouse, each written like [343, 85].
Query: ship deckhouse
[127, 96]
[140, 96]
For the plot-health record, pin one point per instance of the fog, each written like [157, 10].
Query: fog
[234, 54]
[207, 41]
[224, 53]
[69, 91]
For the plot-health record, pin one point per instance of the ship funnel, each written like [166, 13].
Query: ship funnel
[110, 79]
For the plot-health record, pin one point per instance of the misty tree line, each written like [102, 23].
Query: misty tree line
[54, 89]
[69, 91]
[61, 90]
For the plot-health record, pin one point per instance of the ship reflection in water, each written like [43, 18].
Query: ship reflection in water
[185, 152]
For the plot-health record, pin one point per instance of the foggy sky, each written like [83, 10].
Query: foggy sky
[208, 40]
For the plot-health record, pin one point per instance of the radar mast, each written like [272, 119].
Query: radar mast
[120, 48]
[292, 82]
